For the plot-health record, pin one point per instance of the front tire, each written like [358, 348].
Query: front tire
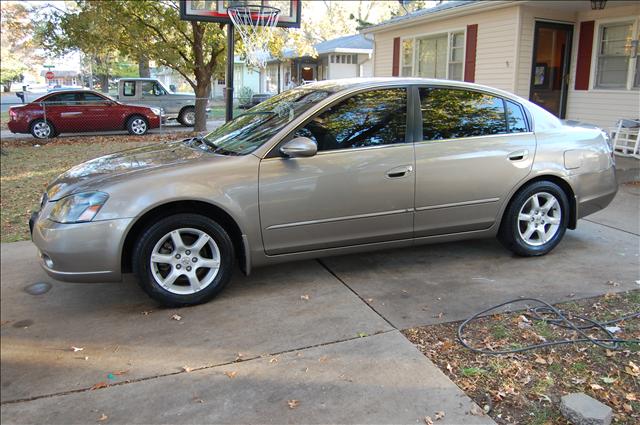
[184, 259]
[137, 125]
[535, 220]
[187, 116]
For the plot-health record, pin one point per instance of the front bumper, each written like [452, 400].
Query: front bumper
[81, 252]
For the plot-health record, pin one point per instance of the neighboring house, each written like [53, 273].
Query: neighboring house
[62, 77]
[574, 59]
[344, 57]
[243, 76]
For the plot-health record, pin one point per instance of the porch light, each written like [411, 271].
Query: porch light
[598, 4]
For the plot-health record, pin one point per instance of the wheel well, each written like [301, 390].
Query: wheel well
[184, 108]
[566, 189]
[208, 210]
[135, 114]
[43, 119]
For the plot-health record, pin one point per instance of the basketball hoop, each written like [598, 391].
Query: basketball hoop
[247, 19]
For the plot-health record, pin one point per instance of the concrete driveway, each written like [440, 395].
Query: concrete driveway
[262, 344]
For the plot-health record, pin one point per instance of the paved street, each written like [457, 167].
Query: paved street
[168, 128]
[339, 354]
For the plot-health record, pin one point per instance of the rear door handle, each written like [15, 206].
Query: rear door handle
[518, 155]
[401, 171]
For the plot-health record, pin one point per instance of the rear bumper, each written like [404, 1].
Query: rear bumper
[82, 252]
[595, 191]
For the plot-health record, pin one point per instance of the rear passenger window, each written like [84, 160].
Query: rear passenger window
[515, 118]
[129, 88]
[457, 113]
[376, 117]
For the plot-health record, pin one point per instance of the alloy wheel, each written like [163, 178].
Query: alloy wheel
[138, 126]
[185, 261]
[539, 219]
[190, 117]
[41, 129]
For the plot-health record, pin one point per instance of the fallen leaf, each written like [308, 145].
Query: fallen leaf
[273, 360]
[439, 415]
[449, 368]
[100, 385]
[231, 374]
[186, 369]
[369, 300]
[596, 387]
[608, 380]
[176, 317]
[304, 297]
[476, 410]
[632, 369]
[610, 353]
[103, 418]
[540, 360]
[293, 404]
[627, 407]
[120, 372]
[428, 420]
[631, 397]
[439, 315]
[362, 334]
[76, 349]
[323, 359]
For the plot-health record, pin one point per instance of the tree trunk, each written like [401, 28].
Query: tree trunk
[104, 83]
[6, 87]
[202, 98]
[143, 67]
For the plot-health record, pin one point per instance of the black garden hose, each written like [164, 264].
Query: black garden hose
[560, 320]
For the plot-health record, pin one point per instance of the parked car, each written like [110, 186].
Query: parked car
[151, 92]
[75, 111]
[329, 168]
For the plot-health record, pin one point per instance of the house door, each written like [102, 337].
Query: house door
[550, 66]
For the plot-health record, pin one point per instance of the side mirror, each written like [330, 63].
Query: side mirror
[299, 147]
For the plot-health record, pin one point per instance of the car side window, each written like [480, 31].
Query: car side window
[62, 99]
[158, 90]
[93, 98]
[515, 118]
[129, 88]
[457, 113]
[372, 118]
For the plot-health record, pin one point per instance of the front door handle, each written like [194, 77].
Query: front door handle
[518, 155]
[401, 171]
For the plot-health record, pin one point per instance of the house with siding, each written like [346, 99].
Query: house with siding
[577, 59]
[342, 57]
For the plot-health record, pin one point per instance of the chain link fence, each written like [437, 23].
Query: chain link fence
[86, 113]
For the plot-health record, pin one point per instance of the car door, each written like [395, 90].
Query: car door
[64, 111]
[98, 113]
[474, 148]
[357, 189]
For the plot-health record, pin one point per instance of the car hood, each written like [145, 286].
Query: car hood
[93, 174]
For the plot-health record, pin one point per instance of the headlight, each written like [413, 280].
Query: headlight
[78, 208]
[156, 111]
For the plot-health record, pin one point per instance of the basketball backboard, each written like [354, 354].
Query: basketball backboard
[216, 10]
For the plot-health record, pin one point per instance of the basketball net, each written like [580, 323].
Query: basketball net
[248, 20]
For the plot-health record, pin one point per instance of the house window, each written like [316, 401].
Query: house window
[617, 62]
[332, 58]
[349, 59]
[407, 57]
[434, 56]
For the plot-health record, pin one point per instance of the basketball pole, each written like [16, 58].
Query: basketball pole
[228, 111]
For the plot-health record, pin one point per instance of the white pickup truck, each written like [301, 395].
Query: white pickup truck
[151, 92]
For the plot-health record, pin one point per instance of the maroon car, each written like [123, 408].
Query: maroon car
[75, 111]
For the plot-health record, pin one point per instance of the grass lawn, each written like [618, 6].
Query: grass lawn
[217, 112]
[525, 388]
[26, 171]
[4, 119]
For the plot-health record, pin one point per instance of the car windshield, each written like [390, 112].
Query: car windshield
[248, 131]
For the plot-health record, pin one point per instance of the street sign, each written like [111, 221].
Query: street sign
[49, 75]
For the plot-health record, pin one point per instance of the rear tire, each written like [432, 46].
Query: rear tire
[187, 116]
[42, 129]
[137, 125]
[535, 220]
[184, 259]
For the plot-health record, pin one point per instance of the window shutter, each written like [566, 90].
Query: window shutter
[585, 44]
[470, 55]
[395, 69]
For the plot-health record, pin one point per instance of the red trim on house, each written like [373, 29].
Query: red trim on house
[470, 53]
[585, 45]
[395, 69]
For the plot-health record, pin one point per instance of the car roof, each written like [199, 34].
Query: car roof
[68, 91]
